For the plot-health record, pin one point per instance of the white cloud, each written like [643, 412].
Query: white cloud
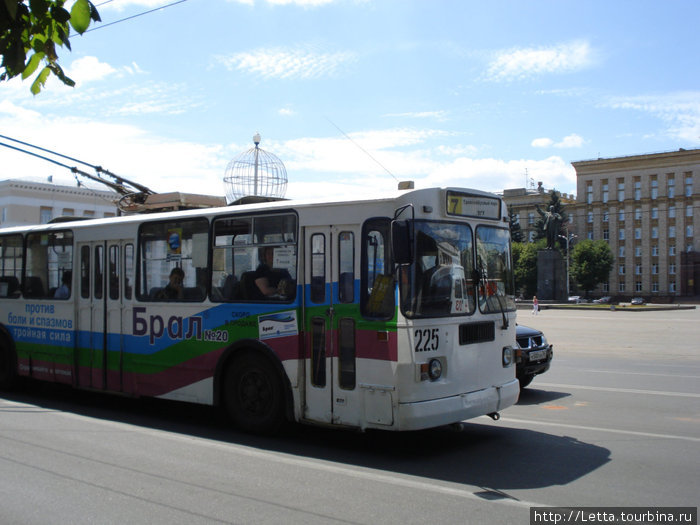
[89, 69]
[440, 115]
[302, 62]
[301, 3]
[570, 141]
[543, 142]
[516, 64]
[286, 112]
[680, 111]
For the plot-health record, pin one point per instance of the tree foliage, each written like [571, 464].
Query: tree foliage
[516, 232]
[31, 32]
[591, 263]
[525, 266]
[557, 207]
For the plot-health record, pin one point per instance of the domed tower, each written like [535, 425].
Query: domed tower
[255, 175]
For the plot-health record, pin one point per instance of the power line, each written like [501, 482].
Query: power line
[133, 16]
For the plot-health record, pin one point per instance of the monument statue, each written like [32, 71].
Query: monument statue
[551, 224]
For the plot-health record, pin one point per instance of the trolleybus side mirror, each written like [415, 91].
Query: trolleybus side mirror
[402, 241]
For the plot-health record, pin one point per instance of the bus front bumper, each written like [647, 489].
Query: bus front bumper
[453, 409]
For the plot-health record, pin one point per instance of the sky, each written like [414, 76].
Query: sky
[356, 95]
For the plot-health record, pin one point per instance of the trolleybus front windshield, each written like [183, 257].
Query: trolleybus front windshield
[443, 279]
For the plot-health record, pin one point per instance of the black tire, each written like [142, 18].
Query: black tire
[253, 394]
[8, 364]
[525, 380]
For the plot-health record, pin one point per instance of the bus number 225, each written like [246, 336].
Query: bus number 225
[427, 339]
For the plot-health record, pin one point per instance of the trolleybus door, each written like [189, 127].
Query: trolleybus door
[100, 315]
[331, 395]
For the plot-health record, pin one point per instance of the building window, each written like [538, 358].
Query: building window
[605, 192]
[621, 235]
[655, 269]
[606, 235]
[590, 235]
[671, 212]
[45, 215]
[621, 215]
[689, 247]
[589, 194]
[68, 212]
[590, 217]
[655, 213]
[672, 286]
[655, 286]
[637, 214]
[671, 232]
[638, 286]
[606, 287]
[637, 233]
[620, 191]
[672, 269]
[654, 232]
[655, 251]
[672, 250]
[654, 188]
[637, 251]
[621, 286]
[621, 251]
[606, 216]
[689, 210]
[638, 269]
[517, 218]
[638, 190]
[688, 184]
[621, 269]
[89, 213]
[671, 186]
[689, 230]
[531, 218]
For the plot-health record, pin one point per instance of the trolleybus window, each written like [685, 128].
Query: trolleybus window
[494, 269]
[164, 246]
[49, 261]
[377, 278]
[254, 258]
[346, 267]
[10, 265]
[439, 282]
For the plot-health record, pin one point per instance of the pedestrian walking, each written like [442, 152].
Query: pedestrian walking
[535, 305]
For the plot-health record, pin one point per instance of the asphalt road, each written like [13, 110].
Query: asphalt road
[615, 422]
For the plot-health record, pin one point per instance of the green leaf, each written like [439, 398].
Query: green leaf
[40, 81]
[32, 65]
[94, 14]
[60, 15]
[61, 75]
[80, 15]
[39, 7]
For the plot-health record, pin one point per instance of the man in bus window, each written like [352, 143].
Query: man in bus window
[271, 282]
[63, 291]
[173, 290]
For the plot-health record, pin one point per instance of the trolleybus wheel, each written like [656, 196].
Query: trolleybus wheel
[8, 364]
[253, 394]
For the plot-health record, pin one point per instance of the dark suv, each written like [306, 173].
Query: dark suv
[533, 354]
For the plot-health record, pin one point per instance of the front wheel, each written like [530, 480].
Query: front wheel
[253, 394]
[525, 380]
[8, 364]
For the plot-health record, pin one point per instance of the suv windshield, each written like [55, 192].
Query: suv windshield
[441, 280]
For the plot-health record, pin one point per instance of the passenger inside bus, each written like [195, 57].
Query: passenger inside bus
[173, 290]
[271, 282]
[63, 291]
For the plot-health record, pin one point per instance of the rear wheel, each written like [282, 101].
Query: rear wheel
[8, 364]
[253, 394]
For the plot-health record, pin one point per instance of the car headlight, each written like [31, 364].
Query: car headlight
[507, 356]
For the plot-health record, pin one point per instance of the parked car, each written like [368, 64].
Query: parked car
[637, 300]
[533, 354]
[602, 300]
[574, 299]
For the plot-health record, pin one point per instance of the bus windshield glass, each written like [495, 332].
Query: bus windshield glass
[493, 269]
[438, 283]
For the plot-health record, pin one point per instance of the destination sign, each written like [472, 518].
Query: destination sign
[479, 206]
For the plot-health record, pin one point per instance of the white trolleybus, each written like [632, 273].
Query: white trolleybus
[392, 313]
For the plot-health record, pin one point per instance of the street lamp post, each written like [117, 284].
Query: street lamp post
[568, 238]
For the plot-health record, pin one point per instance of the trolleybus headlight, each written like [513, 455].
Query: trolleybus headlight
[507, 356]
[434, 369]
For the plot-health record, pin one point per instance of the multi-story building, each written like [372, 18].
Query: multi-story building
[24, 202]
[646, 208]
[523, 203]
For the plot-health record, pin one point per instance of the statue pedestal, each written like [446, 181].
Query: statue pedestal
[551, 276]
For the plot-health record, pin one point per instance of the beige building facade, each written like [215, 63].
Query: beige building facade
[646, 207]
[24, 202]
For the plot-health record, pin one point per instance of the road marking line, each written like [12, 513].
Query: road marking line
[506, 419]
[621, 390]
